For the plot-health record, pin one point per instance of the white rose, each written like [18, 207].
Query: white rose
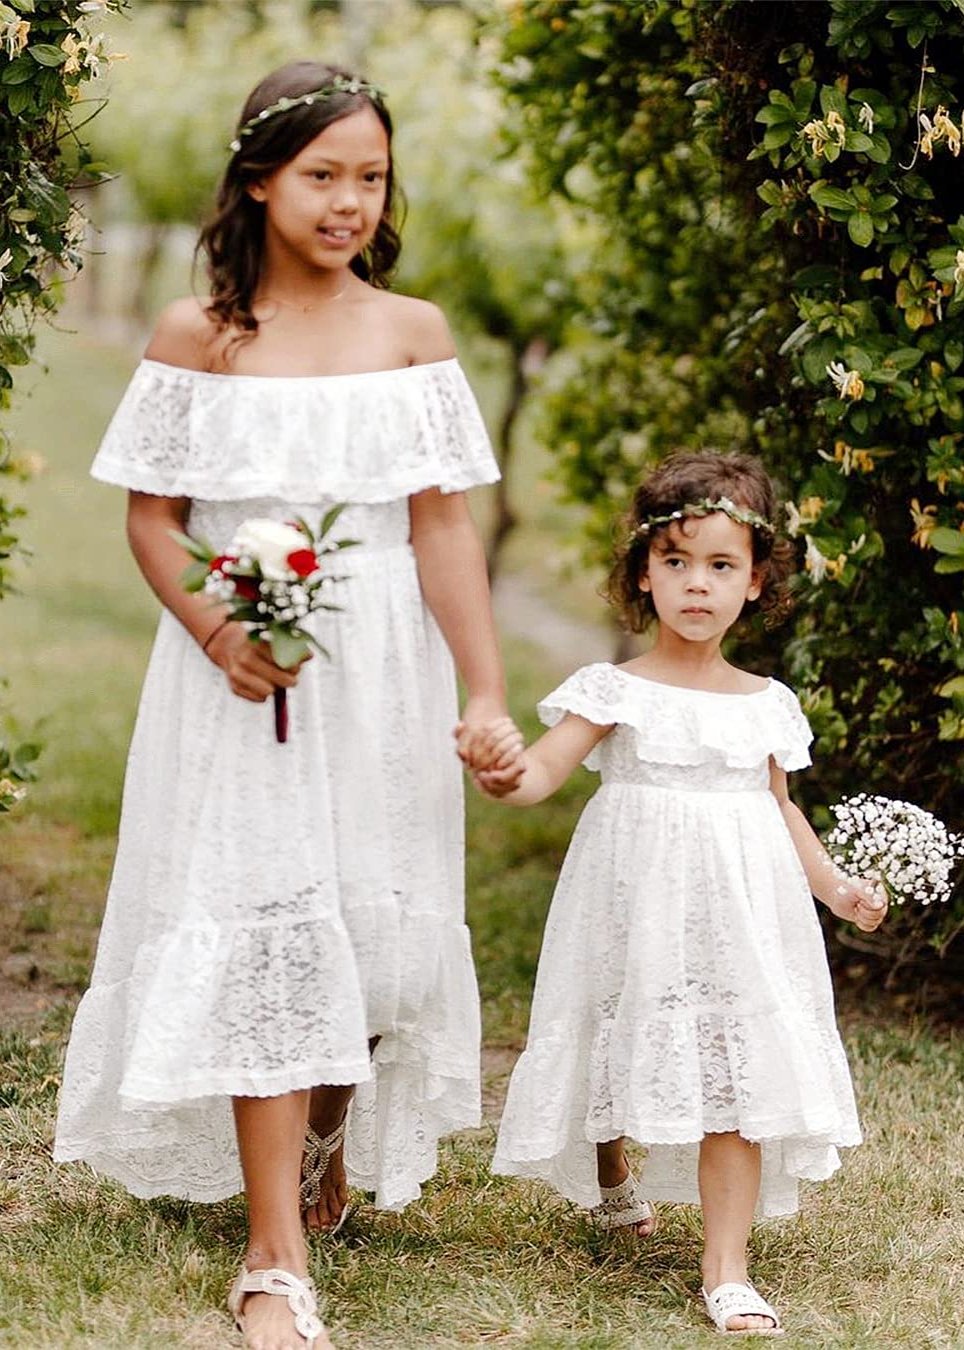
[268, 543]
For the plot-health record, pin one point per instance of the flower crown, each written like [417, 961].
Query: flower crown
[705, 507]
[340, 84]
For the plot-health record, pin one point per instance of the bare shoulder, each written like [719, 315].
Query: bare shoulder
[184, 335]
[421, 326]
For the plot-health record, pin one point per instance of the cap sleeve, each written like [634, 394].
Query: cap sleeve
[593, 692]
[792, 734]
[368, 437]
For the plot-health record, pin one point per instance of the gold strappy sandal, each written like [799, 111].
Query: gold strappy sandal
[314, 1164]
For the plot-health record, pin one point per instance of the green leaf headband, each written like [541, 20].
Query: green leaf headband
[340, 84]
[704, 507]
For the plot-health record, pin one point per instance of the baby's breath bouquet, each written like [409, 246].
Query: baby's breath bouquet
[273, 575]
[908, 850]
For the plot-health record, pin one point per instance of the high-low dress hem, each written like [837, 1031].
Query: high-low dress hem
[275, 907]
[683, 986]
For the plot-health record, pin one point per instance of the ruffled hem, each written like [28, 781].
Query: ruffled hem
[682, 726]
[370, 437]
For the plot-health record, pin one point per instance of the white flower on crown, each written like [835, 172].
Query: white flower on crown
[268, 542]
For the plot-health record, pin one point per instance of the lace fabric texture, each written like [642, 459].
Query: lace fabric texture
[375, 436]
[683, 986]
[272, 907]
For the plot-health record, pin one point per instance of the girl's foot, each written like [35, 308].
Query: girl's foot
[735, 1308]
[283, 1317]
[612, 1171]
[325, 1198]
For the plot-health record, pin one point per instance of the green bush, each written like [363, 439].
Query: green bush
[48, 50]
[777, 199]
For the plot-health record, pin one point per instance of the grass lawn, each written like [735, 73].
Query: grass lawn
[873, 1260]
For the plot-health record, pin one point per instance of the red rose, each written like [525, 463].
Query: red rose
[302, 562]
[247, 588]
[218, 564]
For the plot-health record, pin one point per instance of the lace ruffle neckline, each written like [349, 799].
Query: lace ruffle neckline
[677, 725]
[365, 436]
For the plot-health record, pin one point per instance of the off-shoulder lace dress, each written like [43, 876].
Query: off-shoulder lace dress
[683, 986]
[274, 906]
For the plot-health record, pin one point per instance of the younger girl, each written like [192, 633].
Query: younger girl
[683, 997]
[289, 918]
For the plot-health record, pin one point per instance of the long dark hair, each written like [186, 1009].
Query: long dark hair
[233, 240]
[684, 477]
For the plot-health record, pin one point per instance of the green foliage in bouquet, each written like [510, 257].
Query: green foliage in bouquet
[778, 195]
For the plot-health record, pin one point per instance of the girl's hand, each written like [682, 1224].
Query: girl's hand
[500, 782]
[863, 903]
[249, 666]
[486, 738]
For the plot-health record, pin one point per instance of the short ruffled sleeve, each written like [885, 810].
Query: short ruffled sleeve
[370, 437]
[792, 748]
[596, 693]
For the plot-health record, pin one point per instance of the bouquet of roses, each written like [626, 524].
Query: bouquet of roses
[909, 851]
[272, 577]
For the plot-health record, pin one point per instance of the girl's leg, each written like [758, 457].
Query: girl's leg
[271, 1132]
[612, 1169]
[729, 1177]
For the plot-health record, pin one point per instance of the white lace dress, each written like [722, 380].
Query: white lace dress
[274, 906]
[683, 986]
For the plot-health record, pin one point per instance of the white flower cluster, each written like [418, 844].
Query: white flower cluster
[906, 848]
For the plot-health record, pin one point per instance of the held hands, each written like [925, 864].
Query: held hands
[863, 903]
[491, 748]
[249, 666]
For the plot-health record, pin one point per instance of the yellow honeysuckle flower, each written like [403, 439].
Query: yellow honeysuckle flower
[810, 509]
[817, 134]
[959, 268]
[14, 35]
[946, 128]
[835, 566]
[924, 518]
[862, 460]
[848, 382]
[836, 126]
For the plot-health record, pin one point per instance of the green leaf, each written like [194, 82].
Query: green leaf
[194, 576]
[287, 648]
[904, 358]
[834, 100]
[831, 198]
[945, 565]
[18, 71]
[860, 227]
[329, 518]
[946, 540]
[46, 54]
[953, 354]
[858, 142]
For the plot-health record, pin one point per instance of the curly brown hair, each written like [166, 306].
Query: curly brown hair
[233, 239]
[683, 478]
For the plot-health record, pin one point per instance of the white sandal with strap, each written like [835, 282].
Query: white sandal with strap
[739, 1300]
[315, 1161]
[299, 1293]
[622, 1206]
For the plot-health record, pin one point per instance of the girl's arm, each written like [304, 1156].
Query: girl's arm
[545, 765]
[455, 583]
[856, 901]
[251, 672]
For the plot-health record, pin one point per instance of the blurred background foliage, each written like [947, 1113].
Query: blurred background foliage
[652, 223]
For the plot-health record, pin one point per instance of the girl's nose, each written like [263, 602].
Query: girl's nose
[346, 200]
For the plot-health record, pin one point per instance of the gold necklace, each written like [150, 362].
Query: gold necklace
[303, 308]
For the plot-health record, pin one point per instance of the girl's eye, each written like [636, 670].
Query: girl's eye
[722, 566]
[374, 177]
[675, 563]
[322, 175]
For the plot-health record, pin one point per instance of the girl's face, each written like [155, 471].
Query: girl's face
[323, 207]
[700, 573]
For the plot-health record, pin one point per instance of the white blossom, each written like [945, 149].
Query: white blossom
[866, 118]
[908, 850]
[268, 542]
